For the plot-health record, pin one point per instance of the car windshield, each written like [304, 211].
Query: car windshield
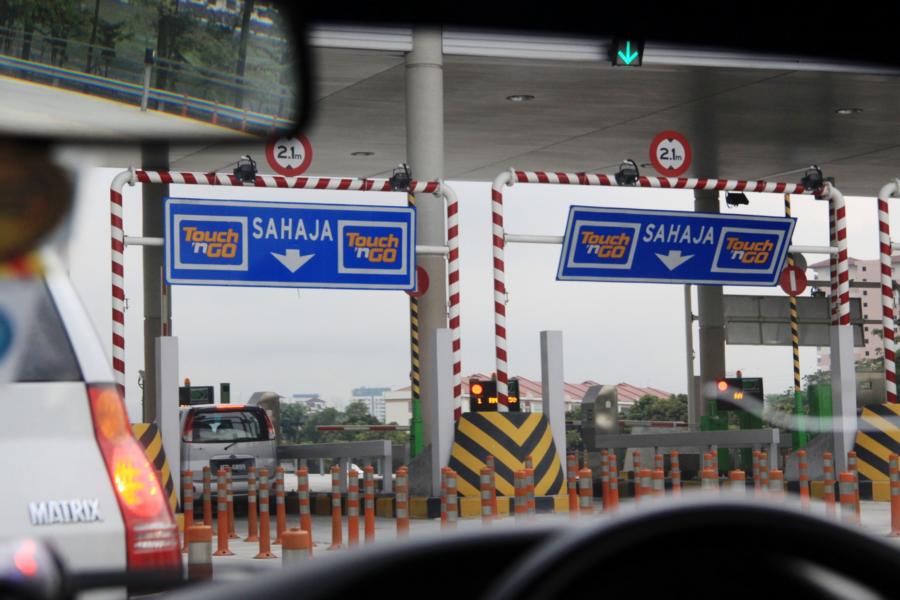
[228, 426]
[501, 274]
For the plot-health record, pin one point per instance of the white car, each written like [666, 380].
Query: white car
[75, 475]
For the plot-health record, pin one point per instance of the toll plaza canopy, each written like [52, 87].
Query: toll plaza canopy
[553, 102]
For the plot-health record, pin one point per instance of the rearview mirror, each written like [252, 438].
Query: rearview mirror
[151, 70]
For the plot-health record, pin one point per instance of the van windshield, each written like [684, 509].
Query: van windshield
[229, 426]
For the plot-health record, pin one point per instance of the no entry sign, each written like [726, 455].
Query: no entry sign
[793, 281]
[670, 153]
[289, 156]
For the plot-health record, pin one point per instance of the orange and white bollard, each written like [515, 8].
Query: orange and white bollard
[207, 497]
[489, 462]
[452, 500]
[572, 483]
[295, 546]
[252, 510]
[756, 474]
[709, 481]
[776, 483]
[636, 474]
[353, 509]
[199, 544]
[369, 500]
[222, 514]
[828, 484]
[336, 524]
[764, 473]
[895, 494]
[529, 482]
[187, 503]
[521, 491]
[613, 486]
[585, 491]
[444, 497]
[280, 514]
[737, 482]
[232, 534]
[853, 468]
[303, 503]
[659, 482]
[265, 522]
[529, 493]
[848, 499]
[646, 482]
[675, 469]
[487, 512]
[659, 462]
[604, 479]
[803, 479]
[402, 499]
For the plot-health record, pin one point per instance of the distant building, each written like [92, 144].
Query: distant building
[860, 271]
[373, 398]
[398, 403]
[312, 402]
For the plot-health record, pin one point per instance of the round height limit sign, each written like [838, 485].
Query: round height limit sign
[289, 156]
[670, 153]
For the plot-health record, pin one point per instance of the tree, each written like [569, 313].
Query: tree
[652, 408]
[574, 441]
[292, 419]
[357, 413]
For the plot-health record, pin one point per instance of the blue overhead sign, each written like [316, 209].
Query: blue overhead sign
[654, 246]
[241, 243]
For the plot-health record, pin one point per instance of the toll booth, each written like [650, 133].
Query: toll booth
[738, 400]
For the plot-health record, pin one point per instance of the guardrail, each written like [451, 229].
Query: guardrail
[381, 450]
[186, 106]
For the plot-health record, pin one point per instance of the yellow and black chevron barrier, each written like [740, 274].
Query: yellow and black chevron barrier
[148, 436]
[509, 438]
[877, 438]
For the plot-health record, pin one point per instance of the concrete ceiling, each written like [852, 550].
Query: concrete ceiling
[745, 118]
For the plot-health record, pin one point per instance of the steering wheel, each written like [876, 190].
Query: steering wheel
[708, 550]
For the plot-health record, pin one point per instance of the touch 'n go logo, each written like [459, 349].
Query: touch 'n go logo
[211, 243]
[604, 244]
[747, 250]
[368, 247]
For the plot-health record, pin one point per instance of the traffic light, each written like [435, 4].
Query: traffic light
[483, 395]
[729, 393]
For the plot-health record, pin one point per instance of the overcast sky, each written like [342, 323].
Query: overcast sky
[329, 342]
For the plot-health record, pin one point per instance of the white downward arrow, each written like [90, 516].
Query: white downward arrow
[674, 259]
[292, 259]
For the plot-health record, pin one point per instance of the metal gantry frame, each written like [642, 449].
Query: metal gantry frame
[119, 240]
[840, 281]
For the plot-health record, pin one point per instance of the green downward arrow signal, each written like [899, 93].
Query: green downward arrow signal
[629, 56]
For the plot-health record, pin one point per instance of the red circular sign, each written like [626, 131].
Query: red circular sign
[792, 281]
[670, 153]
[422, 283]
[289, 156]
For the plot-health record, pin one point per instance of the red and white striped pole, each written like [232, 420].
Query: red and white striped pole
[508, 178]
[132, 177]
[887, 289]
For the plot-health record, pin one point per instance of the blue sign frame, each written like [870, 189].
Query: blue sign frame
[278, 244]
[653, 246]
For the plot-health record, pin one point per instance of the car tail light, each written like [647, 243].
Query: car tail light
[188, 430]
[270, 426]
[151, 533]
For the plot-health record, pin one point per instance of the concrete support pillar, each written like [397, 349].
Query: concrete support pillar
[711, 309]
[843, 394]
[439, 411]
[165, 352]
[552, 387]
[156, 313]
[425, 155]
